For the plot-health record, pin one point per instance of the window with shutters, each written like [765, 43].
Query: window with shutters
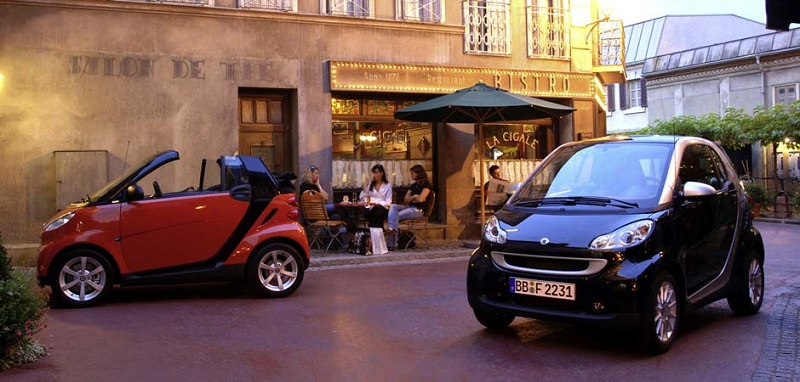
[610, 97]
[633, 95]
[785, 94]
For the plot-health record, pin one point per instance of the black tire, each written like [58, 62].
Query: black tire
[276, 270]
[747, 290]
[662, 315]
[80, 279]
[493, 320]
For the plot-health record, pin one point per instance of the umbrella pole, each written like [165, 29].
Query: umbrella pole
[480, 171]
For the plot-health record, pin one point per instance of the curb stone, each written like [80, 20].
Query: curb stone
[781, 350]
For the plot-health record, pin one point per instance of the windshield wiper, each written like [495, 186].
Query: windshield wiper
[575, 200]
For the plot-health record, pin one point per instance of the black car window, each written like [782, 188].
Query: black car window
[627, 171]
[701, 164]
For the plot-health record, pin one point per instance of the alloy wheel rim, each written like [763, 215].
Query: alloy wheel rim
[277, 271]
[666, 312]
[755, 284]
[82, 279]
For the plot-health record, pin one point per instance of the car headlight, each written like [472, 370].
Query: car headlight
[59, 221]
[492, 231]
[624, 237]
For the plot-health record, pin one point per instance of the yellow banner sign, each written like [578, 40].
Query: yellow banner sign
[364, 76]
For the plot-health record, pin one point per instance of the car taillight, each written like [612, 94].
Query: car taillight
[293, 214]
[292, 202]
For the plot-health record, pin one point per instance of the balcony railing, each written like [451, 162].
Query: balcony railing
[548, 32]
[609, 54]
[486, 27]
[270, 5]
[421, 10]
[610, 43]
[357, 8]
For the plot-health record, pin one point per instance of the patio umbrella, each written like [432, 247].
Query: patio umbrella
[479, 104]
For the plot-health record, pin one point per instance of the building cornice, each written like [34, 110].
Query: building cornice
[743, 64]
[240, 14]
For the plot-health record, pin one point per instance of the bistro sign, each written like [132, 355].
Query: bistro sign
[363, 76]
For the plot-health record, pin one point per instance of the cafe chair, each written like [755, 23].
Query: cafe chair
[320, 228]
[415, 226]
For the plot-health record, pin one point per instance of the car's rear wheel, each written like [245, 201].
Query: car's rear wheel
[662, 314]
[747, 293]
[276, 270]
[493, 320]
[83, 278]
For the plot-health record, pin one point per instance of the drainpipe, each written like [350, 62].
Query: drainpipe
[764, 104]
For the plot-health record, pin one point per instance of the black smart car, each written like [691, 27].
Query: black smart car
[624, 231]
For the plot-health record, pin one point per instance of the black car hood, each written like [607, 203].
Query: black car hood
[566, 228]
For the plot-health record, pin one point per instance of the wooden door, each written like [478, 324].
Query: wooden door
[264, 129]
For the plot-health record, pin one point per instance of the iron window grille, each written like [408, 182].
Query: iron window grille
[186, 2]
[548, 31]
[270, 5]
[421, 10]
[353, 8]
[486, 27]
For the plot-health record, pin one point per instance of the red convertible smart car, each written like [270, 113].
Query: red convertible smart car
[240, 229]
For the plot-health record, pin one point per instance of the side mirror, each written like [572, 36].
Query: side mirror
[134, 193]
[695, 189]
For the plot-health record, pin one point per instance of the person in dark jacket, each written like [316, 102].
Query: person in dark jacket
[416, 200]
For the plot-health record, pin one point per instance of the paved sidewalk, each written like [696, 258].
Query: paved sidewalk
[780, 354]
[435, 250]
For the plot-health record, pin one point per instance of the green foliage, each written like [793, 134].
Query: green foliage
[22, 308]
[756, 192]
[5, 262]
[766, 126]
[794, 199]
[24, 351]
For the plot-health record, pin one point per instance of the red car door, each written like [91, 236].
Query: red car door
[174, 231]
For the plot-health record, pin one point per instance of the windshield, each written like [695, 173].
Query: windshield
[126, 174]
[624, 173]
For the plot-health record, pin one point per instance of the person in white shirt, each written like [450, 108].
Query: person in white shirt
[378, 196]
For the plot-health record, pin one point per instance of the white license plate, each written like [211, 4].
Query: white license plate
[549, 289]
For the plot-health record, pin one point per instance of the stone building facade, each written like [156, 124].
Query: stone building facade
[89, 86]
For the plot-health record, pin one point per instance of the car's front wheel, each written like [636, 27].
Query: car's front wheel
[493, 320]
[83, 278]
[747, 292]
[276, 270]
[662, 314]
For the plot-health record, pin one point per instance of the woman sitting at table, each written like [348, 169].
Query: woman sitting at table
[311, 182]
[378, 196]
[415, 200]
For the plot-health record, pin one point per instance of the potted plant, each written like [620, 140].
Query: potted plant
[757, 196]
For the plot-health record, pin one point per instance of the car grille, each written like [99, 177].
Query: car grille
[548, 265]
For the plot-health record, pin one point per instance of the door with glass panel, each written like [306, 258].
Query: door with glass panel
[263, 129]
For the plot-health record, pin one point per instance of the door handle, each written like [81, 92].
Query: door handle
[242, 192]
